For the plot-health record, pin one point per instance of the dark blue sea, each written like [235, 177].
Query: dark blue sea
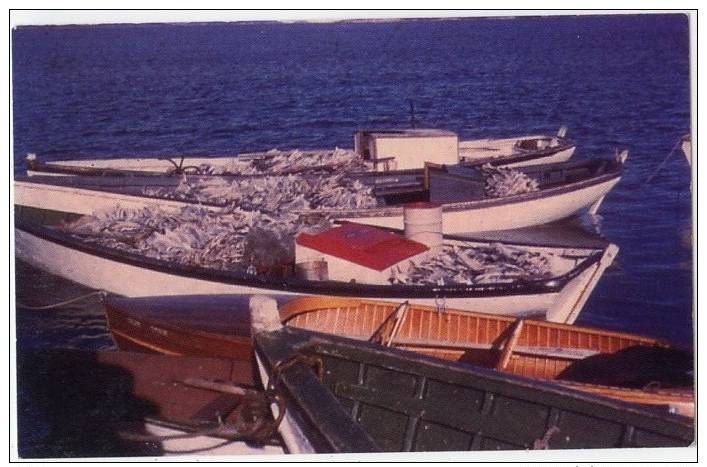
[617, 82]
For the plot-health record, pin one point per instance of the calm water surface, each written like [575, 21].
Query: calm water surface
[615, 82]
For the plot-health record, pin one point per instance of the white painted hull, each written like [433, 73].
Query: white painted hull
[82, 201]
[687, 150]
[561, 156]
[460, 218]
[134, 281]
[471, 151]
[524, 213]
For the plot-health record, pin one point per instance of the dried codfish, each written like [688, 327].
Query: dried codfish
[276, 162]
[274, 194]
[478, 265]
[506, 181]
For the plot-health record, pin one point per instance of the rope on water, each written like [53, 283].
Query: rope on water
[100, 293]
[660, 167]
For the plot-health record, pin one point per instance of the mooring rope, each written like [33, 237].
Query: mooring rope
[660, 167]
[101, 293]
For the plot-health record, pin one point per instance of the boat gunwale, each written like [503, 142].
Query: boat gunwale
[296, 307]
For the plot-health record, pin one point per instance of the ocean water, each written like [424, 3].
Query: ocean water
[617, 82]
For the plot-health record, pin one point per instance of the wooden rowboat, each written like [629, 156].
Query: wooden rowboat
[74, 403]
[345, 395]
[218, 326]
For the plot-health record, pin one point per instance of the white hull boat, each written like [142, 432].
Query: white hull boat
[562, 190]
[382, 150]
[558, 296]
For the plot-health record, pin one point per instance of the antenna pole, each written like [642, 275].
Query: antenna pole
[412, 113]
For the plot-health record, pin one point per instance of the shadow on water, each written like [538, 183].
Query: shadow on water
[71, 405]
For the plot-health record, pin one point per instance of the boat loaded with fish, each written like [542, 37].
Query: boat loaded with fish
[614, 364]
[106, 403]
[147, 253]
[379, 150]
[344, 395]
[473, 199]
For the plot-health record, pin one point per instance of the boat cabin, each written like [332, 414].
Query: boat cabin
[359, 253]
[407, 148]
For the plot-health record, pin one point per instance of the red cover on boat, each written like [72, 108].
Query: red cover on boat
[363, 244]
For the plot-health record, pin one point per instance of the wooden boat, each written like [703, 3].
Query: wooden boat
[74, 403]
[506, 152]
[345, 395]
[563, 190]
[218, 326]
[560, 297]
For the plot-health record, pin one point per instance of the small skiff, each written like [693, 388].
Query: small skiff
[345, 395]
[561, 190]
[378, 150]
[558, 296]
[519, 151]
[74, 403]
[612, 364]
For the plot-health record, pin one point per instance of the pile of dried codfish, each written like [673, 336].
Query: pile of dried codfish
[506, 181]
[276, 162]
[237, 240]
[476, 265]
[273, 194]
[228, 240]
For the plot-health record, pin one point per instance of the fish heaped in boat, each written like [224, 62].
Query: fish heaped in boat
[506, 181]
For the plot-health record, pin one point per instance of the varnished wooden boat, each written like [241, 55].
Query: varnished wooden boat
[345, 395]
[218, 326]
[74, 403]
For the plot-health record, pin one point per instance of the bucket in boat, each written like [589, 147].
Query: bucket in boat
[312, 270]
[423, 223]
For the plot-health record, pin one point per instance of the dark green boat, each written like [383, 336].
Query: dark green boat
[343, 395]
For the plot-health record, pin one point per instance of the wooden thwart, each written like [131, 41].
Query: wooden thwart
[510, 344]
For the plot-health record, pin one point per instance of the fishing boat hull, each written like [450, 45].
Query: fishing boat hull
[506, 152]
[477, 152]
[407, 402]
[558, 300]
[462, 211]
[500, 214]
